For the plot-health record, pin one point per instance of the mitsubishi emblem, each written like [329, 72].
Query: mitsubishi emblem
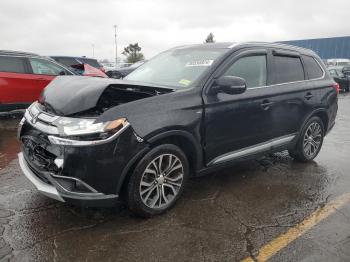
[35, 118]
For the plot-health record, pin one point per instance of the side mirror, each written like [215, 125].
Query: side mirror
[62, 73]
[230, 85]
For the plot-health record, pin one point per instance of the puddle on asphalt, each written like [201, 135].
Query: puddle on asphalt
[9, 146]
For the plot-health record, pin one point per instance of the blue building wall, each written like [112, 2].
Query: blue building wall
[334, 47]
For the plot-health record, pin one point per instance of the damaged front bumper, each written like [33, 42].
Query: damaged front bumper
[87, 174]
[61, 187]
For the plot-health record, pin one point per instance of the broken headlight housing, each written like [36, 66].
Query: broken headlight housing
[81, 132]
[81, 126]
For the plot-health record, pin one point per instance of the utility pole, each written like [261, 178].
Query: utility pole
[116, 47]
[93, 51]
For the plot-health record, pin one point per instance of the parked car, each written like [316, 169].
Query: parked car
[87, 70]
[108, 66]
[123, 65]
[188, 111]
[341, 75]
[72, 61]
[338, 62]
[23, 76]
[124, 71]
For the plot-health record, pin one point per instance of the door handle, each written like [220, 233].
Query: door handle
[308, 96]
[266, 104]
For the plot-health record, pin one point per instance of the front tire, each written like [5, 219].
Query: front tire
[310, 141]
[157, 181]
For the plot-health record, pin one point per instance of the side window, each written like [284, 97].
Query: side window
[12, 64]
[251, 68]
[44, 67]
[313, 69]
[287, 69]
[67, 61]
[333, 73]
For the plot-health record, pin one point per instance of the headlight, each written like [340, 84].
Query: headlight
[84, 132]
[78, 127]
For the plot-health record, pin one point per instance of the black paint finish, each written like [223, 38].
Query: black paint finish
[212, 124]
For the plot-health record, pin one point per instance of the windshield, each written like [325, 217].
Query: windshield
[177, 68]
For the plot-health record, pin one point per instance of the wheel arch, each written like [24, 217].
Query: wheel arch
[183, 139]
[186, 142]
[322, 114]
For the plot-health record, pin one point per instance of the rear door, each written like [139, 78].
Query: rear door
[292, 95]
[15, 80]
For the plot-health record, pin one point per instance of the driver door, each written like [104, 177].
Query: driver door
[237, 125]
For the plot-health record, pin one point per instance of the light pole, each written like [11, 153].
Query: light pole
[116, 47]
[93, 51]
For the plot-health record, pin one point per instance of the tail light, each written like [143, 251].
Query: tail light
[103, 69]
[336, 87]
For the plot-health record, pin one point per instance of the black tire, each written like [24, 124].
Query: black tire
[139, 205]
[300, 152]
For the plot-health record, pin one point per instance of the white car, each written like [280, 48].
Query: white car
[109, 66]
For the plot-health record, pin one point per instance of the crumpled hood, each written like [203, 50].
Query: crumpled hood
[67, 95]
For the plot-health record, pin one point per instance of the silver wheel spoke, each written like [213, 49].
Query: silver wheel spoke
[171, 187]
[173, 169]
[149, 193]
[155, 198]
[160, 161]
[174, 179]
[172, 183]
[155, 167]
[143, 183]
[150, 171]
[164, 196]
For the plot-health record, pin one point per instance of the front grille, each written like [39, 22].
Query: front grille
[37, 173]
[40, 153]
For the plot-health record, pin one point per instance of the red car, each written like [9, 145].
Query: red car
[24, 75]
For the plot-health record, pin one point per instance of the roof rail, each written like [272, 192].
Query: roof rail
[17, 53]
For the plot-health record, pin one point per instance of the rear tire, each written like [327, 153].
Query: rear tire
[310, 141]
[157, 181]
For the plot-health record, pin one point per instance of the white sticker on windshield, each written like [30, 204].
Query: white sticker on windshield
[206, 62]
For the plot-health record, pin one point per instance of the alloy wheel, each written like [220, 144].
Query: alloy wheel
[312, 139]
[161, 181]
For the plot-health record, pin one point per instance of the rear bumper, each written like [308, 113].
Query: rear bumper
[48, 184]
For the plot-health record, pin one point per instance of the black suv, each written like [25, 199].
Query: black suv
[188, 111]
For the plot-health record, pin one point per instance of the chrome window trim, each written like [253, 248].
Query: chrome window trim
[294, 82]
[273, 85]
[253, 149]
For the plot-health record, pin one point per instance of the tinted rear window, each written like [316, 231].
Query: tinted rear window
[12, 64]
[67, 61]
[313, 69]
[287, 69]
[91, 62]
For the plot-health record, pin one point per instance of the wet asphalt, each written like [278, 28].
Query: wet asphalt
[224, 216]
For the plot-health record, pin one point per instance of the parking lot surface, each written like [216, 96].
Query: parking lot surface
[267, 209]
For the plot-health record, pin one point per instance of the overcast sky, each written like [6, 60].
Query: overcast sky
[71, 27]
